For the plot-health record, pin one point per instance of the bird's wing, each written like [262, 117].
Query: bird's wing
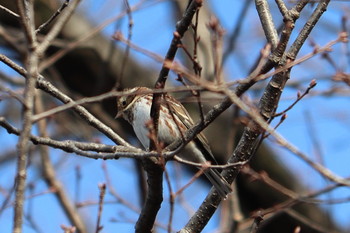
[176, 108]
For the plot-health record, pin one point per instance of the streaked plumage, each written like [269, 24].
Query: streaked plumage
[173, 121]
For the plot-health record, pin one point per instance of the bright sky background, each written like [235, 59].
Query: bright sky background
[331, 134]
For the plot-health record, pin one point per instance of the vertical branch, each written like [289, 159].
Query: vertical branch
[266, 21]
[102, 188]
[154, 170]
[127, 49]
[236, 31]
[217, 33]
[26, 11]
[196, 66]
[154, 197]
[181, 28]
[50, 176]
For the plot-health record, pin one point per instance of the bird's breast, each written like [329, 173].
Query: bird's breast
[168, 130]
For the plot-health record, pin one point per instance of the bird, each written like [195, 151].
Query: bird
[174, 120]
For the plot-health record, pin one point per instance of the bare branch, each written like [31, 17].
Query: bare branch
[9, 11]
[49, 173]
[248, 142]
[305, 32]
[46, 86]
[155, 171]
[57, 27]
[266, 21]
[53, 17]
[282, 7]
[181, 28]
[102, 188]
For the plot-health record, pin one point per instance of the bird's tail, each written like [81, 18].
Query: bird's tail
[219, 182]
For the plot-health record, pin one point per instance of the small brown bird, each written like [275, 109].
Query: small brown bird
[174, 120]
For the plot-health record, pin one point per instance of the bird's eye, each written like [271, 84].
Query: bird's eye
[124, 103]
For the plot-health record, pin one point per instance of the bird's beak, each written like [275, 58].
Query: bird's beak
[119, 114]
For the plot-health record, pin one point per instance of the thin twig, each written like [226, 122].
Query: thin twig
[193, 179]
[127, 49]
[51, 35]
[70, 46]
[232, 39]
[51, 178]
[171, 201]
[9, 11]
[312, 85]
[102, 188]
[114, 193]
[48, 87]
[196, 66]
[54, 16]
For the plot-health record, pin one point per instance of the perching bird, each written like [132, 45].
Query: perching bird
[174, 120]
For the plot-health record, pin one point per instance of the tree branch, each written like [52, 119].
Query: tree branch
[248, 142]
[155, 171]
[50, 176]
[46, 86]
[266, 21]
[26, 13]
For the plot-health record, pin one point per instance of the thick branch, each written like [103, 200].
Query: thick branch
[154, 196]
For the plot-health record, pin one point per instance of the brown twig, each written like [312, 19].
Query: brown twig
[50, 176]
[102, 188]
[114, 193]
[193, 179]
[26, 12]
[217, 33]
[53, 17]
[196, 66]
[48, 87]
[181, 28]
[171, 201]
[61, 21]
[49, 61]
[311, 85]
[127, 49]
